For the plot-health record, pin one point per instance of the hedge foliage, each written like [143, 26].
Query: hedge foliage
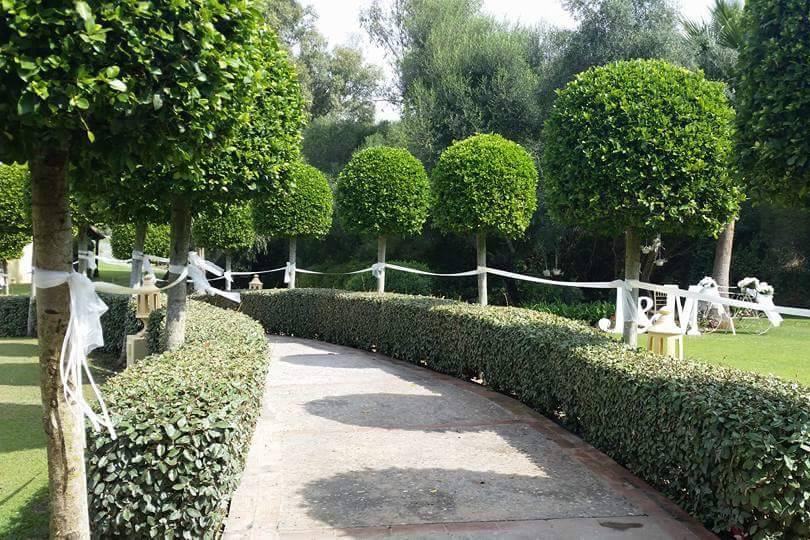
[484, 183]
[156, 243]
[383, 191]
[184, 421]
[15, 210]
[395, 280]
[773, 100]
[306, 210]
[588, 312]
[643, 145]
[732, 448]
[225, 227]
[13, 316]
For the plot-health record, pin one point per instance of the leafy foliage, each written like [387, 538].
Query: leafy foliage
[306, 210]
[641, 145]
[485, 184]
[395, 281]
[184, 420]
[123, 238]
[227, 228]
[13, 316]
[15, 210]
[589, 312]
[730, 447]
[773, 101]
[383, 191]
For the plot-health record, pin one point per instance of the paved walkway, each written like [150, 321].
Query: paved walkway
[354, 444]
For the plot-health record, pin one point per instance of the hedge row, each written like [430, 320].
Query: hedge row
[13, 316]
[730, 447]
[184, 421]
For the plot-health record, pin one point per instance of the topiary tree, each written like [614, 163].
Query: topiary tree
[104, 85]
[15, 213]
[383, 191]
[484, 185]
[773, 100]
[640, 147]
[305, 211]
[155, 239]
[226, 228]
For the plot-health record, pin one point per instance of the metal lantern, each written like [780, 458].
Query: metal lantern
[255, 283]
[147, 302]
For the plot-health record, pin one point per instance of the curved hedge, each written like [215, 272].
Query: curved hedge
[184, 420]
[732, 448]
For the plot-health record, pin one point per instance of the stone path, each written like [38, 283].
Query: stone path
[354, 444]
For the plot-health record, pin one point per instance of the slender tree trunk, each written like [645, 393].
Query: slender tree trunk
[292, 259]
[228, 262]
[722, 257]
[481, 253]
[176, 308]
[30, 330]
[81, 242]
[381, 260]
[138, 244]
[632, 269]
[7, 282]
[64, 430]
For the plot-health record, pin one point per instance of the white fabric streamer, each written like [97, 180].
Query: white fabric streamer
[289, 270]
[89, 257]
[197, 266]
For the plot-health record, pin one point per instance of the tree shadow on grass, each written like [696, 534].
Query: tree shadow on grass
[30, 522]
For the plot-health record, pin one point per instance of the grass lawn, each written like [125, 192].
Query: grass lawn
[114, 273]
[23, 466]
[783, 351]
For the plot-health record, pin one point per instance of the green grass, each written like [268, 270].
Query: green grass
[23, 465]
[113, 273]
[781, 351]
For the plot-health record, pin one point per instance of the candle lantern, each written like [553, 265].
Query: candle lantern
[255, 283]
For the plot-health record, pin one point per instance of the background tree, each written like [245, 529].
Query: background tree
[225, 228]
[715, 45]
[305, 211]
[155, 239]
[15, 213]
[484, 185]
[642, 147]
[383, 191]
[774, 102]
[116, 83]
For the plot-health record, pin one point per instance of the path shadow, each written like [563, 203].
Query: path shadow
[368, 497]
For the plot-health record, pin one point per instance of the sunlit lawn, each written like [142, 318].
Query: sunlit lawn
[23, 468]
[113, 273]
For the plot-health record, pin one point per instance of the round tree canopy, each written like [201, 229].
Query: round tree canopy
[485, 183]
[773, 99]
[156, 243]
[306, 210]
[641, 145]
[383, 191]
[227, 228]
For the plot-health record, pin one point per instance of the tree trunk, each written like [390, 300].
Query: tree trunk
[7, 282]
[481, 252]
[381, 260]
[30, 330]
[81, 242]
[632, 269]
[227, 269]
[64, 429]
[722, 258]
[138, 244]
[292, 259]
[178, 258]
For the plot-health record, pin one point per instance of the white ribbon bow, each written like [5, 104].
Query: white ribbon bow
[377, 270]
[197, 267]
[289, 270]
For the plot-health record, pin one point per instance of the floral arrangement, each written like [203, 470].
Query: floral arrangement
[753, 284]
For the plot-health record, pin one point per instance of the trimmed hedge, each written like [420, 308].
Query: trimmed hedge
[732, 448]
[184, 421]
[589, 312]
[13, 316]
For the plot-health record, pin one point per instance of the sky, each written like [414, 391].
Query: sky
[338, 21]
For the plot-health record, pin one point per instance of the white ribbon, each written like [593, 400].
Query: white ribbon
[289, 270]
[197, 267]
[89, 257]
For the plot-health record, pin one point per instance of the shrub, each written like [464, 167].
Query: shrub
[15, 210]
[13, 316]
[123, 238]
[225, 227]
[588, 312]
[184, 421]
[732, 448]
[395, 280]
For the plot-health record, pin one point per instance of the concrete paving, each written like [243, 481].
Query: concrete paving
[354, 444]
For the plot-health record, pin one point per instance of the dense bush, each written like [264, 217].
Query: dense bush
[732, 448]
[383, 191]
[225, 227]
[123, 238]
[15, 210]
[484, 184]
[396, 281]
[773, 101]
[589, 312]
[306, 210]
[13, 316]
[184, 421]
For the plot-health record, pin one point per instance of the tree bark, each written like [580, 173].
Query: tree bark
[481, 253]
[138, 244]
[293, 257]
[30, 330]
[381, 260]
[722, 258]
[227, 269]
[64, 430]
[176, 308]
[81, 242]
[632, 269]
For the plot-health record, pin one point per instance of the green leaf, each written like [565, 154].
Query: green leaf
[117, 84]
[83, 9]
